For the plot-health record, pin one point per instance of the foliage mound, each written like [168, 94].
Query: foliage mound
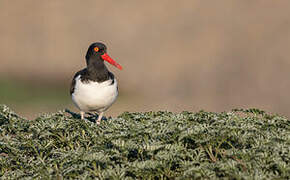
[241, 144]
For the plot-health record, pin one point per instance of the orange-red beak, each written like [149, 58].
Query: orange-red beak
[107, 58]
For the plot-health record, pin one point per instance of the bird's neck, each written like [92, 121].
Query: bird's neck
[97, 70]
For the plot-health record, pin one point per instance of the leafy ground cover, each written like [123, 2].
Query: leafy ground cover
[241, 144]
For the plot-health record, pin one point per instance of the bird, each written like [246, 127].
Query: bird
[95, 88]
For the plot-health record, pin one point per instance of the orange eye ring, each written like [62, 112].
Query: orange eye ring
[96, 49]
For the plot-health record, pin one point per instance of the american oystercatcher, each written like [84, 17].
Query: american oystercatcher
[95, 87]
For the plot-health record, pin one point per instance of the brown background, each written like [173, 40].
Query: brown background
[176, 55]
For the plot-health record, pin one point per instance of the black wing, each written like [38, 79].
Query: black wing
[83, 73]
[85, 77]
[111, 75]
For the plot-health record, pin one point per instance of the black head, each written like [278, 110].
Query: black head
[96, 50]
[97, 54]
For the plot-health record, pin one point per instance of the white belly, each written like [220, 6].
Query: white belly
[94, 96]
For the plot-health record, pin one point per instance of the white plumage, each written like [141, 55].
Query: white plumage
[94, 96]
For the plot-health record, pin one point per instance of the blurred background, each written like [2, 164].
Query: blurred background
[177, 55]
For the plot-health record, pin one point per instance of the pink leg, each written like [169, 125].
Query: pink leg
[100, 117]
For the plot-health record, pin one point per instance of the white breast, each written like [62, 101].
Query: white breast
[94, 96]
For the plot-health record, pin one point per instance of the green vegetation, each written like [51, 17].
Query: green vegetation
[241, 144]
[32, 93]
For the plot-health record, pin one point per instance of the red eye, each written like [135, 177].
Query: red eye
[96, 49]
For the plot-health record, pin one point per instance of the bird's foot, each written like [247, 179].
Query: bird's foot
[82, 115]
[100, 118]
